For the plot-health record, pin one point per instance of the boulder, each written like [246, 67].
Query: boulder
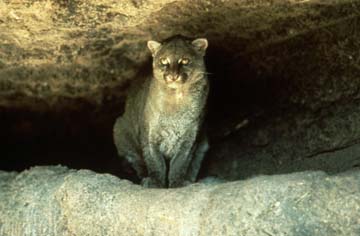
[54, 200]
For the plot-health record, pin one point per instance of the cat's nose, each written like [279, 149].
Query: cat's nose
[173, 77]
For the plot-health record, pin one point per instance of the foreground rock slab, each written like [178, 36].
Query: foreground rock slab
[59, 201]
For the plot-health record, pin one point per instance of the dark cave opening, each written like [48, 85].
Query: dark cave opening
[236, 89]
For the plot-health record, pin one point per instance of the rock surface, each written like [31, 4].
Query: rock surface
[59, 201]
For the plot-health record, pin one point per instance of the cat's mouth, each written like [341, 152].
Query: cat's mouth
[174, 85]
[173, 78]
[174, 81]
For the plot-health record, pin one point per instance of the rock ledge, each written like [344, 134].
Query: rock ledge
[55, 200]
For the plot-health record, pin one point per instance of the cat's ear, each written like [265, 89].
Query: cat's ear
[200, 44]
[153, 46]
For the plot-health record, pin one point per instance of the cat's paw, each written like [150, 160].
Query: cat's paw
[180, 184]
[150, 183]
[212, 180]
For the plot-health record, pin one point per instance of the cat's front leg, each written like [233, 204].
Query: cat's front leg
[156, 168]
[179, 165]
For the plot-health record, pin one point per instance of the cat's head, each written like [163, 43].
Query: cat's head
[178, 60]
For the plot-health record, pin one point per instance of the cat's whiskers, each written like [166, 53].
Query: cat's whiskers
[206, 73]
[200, 74]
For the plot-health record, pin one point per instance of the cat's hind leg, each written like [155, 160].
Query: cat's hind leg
[127, 148]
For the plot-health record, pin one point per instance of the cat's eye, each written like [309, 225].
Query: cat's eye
[184, 61]
[164, 61]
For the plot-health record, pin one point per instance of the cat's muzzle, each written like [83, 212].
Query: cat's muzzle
[173, 78]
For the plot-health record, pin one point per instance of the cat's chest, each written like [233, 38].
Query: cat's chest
[171, 119]
[167, 132]
[176, 105]
[174, 125]
[172, 133]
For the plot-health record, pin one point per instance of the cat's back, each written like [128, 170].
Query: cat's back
[128, 127]
[136, 96]
[138, 90]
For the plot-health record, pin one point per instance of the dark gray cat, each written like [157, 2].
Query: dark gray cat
[161, 132]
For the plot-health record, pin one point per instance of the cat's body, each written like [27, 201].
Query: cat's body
[161, 132]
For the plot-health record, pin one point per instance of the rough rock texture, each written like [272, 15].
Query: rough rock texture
[58, 201]
[287, 71]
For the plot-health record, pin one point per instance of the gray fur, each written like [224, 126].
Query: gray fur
[161, 132]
